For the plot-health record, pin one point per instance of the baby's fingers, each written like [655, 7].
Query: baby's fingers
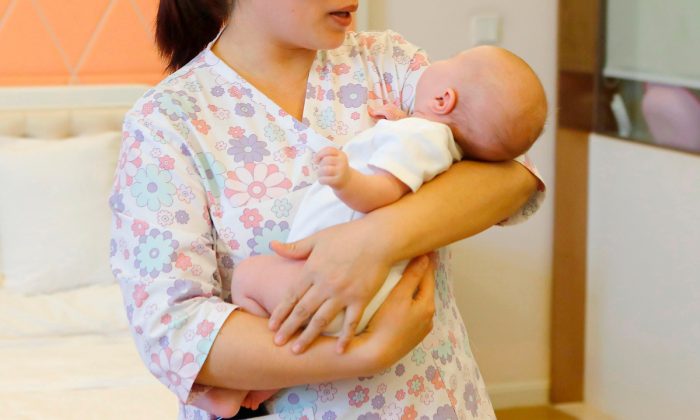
[325, 152]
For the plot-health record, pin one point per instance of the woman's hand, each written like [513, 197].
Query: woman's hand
[406, 316]
[346, 265]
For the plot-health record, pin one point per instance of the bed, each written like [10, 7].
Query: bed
[65, 350]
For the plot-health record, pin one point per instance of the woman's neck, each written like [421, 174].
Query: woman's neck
[277, 70]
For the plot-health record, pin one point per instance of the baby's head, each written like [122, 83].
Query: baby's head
[490, 98]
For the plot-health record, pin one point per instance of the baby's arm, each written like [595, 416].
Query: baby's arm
[359, 191]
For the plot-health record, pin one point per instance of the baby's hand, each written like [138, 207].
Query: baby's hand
[333, 170]
[389, 112]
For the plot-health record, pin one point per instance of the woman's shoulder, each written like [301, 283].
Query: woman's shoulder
[386, 49]
[176, 97]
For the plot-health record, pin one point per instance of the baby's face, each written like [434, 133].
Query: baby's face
[500, 104]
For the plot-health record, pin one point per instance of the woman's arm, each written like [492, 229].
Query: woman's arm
[244, 357]
[347, 264]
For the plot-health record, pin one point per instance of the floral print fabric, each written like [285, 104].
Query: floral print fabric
[210, 172]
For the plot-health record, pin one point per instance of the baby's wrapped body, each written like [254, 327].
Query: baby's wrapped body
[414, 150]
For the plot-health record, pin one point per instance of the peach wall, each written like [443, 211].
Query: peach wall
[45, 42]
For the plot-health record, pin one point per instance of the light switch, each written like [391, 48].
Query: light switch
[486, 30]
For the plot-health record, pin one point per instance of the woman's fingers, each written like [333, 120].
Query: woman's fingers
[412, 277]
[298, 250]
[285, 307]
[302, 311]
[321, 319]
[353, 314]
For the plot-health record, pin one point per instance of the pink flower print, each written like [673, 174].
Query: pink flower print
[165, 218]
[196, 270]
[415, 385]
[165, 319]
[201, 126]
[326, 392]
[358, 396]
[234, 245]
[129, 163]
[355, 116]
[381, 389]
[148, 107]
[320, 93]
[236, 132]
[167, 163]
[175, 369]
[235, 92]
[400, 394]
[340, 128]
[184, 194]
[409, 413]
[183, 262]
[139, 227]
[418, 61]
[140, 295]
[250, 218]
[255, 182]
[341, 69]
[205, 328]
[367, 42]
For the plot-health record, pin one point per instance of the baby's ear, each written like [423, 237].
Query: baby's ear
[445, 103]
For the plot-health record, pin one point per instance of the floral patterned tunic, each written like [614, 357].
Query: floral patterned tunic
[210, 171]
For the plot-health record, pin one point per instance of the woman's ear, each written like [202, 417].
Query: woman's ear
[445, 103]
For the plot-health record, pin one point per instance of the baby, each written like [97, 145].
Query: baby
[482, 104]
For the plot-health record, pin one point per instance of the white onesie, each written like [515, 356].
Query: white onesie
[414, 150]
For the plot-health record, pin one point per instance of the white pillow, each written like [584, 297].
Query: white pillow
[97, 309]
[54, 216]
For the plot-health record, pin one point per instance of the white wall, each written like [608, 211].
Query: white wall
[503, 276]
[643, 304]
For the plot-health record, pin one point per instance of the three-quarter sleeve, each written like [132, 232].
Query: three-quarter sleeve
[163, 250]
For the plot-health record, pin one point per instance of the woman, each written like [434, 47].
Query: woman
[214, 161]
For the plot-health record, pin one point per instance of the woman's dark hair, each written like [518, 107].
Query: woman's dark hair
[185, 27]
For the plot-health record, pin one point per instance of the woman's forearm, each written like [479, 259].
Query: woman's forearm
[244, 357]
[467, 199]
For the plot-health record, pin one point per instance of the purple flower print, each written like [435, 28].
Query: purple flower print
[310, 91]
[244, 110]
[112, 247]
[471, 398]
[353, 95]
[369, 416]
[163, 341]
[446, 412]
[182, 290]
[378, 402]
[217, 91]
[116, 202]
[400, 369]
[329, 415]
[182, 217]
[185, 150]
[247, 149]
[388, 78]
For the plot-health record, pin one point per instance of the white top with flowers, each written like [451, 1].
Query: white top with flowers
[210, 171]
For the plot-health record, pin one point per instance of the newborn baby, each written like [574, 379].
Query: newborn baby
[482, 104]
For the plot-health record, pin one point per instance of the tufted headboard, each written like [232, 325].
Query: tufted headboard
[64, 111]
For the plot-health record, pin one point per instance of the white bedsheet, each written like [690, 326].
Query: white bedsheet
[79, 377]
[69, 355]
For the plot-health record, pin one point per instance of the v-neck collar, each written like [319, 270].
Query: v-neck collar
[305, 133]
